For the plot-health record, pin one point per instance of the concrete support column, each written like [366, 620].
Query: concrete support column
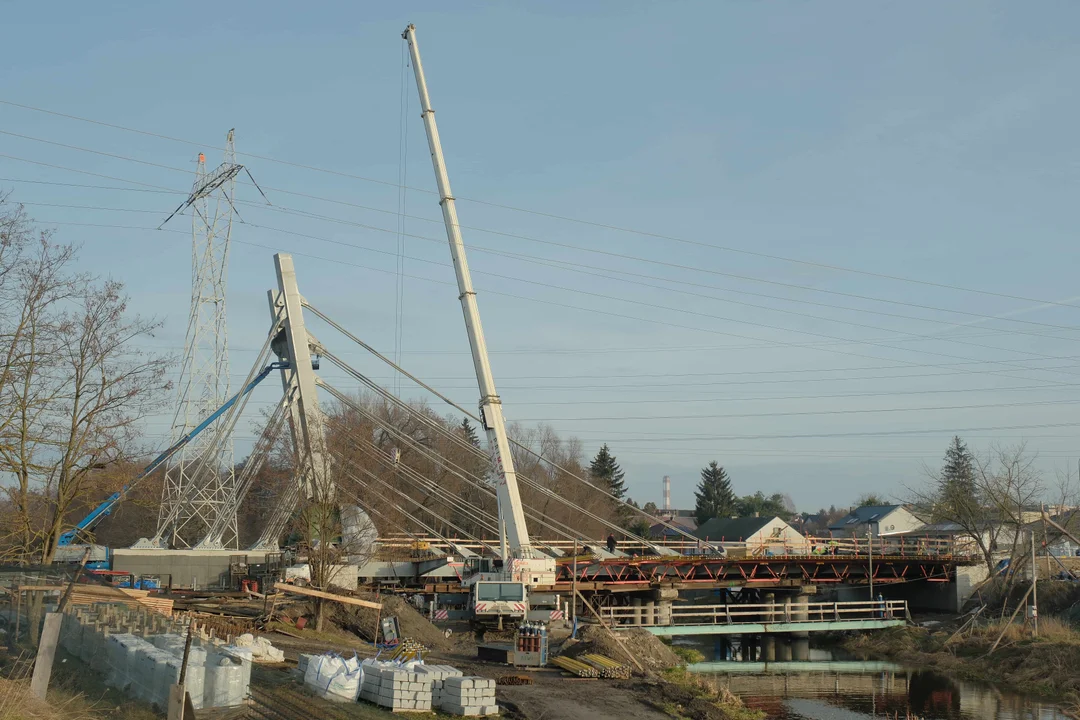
[768, 648]
[800, 641]
[636, 604]
[650, 613]
[783, 649]
[663, 612]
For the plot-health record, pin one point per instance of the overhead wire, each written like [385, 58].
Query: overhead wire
[503, 252]
[589, 223]
[1010, 364]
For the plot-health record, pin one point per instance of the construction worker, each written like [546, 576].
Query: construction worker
[611, 544]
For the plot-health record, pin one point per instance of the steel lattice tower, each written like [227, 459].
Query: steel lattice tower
[201, 478]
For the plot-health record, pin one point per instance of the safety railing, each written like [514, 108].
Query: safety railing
[758, 613]
[887, 546]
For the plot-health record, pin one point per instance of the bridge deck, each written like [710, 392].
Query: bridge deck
[761, 618]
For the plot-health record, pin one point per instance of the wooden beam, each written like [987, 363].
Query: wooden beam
[283, 587]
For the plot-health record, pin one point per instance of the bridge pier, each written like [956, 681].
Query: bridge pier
[800, 641]
[768, 642]
[636, 604]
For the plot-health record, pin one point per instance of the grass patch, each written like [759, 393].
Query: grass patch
[689, 656]
[686, 696]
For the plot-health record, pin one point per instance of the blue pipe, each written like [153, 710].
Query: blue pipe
[105, 508]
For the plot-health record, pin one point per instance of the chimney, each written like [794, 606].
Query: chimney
[667, 493]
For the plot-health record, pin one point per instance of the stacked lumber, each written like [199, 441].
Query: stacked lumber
[83, 594]
[514, 680]
[576, 667]
[608, 668]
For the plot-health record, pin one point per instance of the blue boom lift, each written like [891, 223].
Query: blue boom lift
[69, 538]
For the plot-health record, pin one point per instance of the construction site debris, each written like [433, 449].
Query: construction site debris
[514, 680]
[346, 599]
[262, 650]
[650, 652]
[84, 594]
[363, 621]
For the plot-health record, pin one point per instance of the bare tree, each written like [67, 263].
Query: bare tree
[992, 500]
[73, 386]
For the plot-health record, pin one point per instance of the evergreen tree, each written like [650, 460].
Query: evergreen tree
[470, 432]
[958, 472]
[714, 495]
[758, 504]
[607, 473]
[650, 507]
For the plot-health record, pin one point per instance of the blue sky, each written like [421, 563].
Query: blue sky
[932, 143]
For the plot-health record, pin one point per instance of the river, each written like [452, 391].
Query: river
[830, 686]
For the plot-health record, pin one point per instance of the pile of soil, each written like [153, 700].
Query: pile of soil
[361, 621]
[645, 647]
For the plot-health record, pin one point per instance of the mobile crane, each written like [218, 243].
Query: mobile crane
[68, 549]
[502, 593]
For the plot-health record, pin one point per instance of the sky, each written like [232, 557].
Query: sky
[810, 241]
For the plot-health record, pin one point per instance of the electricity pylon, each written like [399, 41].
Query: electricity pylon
[201, 478]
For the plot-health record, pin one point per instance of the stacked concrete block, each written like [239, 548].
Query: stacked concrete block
[469, 696]
[437, 675]
[396, 688]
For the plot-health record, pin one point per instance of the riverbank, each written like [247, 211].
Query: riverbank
[1045, 666]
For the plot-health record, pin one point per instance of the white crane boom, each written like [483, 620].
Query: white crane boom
[514, 533]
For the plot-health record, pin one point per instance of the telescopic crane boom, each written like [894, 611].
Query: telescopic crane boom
[520, 559]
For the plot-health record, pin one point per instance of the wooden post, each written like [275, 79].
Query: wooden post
[74, 579]
[573, 588]
[1046, 539]
[1018, 606]
[50, 635]
[18, 614]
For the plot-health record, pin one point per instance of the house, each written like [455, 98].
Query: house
[762, 535]
[878, 520]
[661, 531]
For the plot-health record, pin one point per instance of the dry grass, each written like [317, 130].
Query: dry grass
[1043, 666]
[16, 703]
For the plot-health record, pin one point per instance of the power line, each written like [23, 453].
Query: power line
[1011, 365]
[589, 271]
[800, 413]
[589, 223]
[561, 264]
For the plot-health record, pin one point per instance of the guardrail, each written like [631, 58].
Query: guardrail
[758, 613]
[887, 546]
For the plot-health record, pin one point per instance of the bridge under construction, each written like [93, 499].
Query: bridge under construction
[426, 509]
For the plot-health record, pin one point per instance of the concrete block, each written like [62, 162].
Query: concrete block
[491, 709]
[455, 709]
[459, 683]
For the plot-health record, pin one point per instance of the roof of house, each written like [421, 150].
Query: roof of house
[731, 528]
[863, 515]
[661, 529]
[938, 528]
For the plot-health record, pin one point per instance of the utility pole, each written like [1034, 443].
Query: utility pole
[1034, 589]
[515, 534]
[870, 555]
